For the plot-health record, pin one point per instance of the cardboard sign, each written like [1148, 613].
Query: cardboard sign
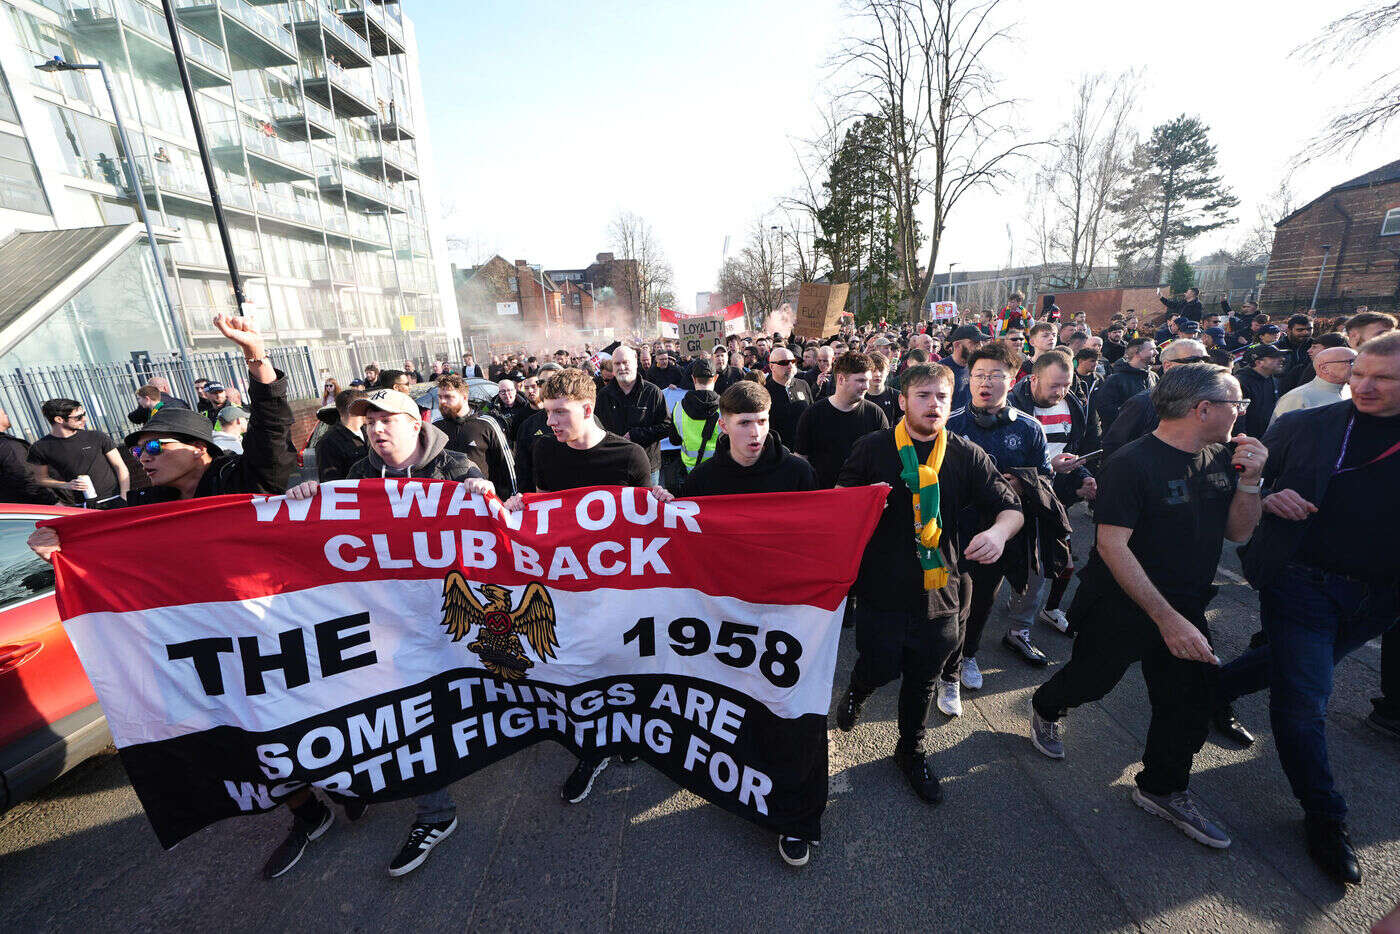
[819, 309]
[944, 311]
[699, 334]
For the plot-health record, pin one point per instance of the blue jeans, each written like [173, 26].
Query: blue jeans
[1313, 619]
[435, 807]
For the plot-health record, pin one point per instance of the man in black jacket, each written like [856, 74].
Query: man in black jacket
[789, 393]
[664, 374]
[1259, 379]
[344, 443]
[480, 438]
[1326, 578]
[1190, 306]
[1113, 346]
[750, 459]
[17, 484]
[509, 408]
[634, 409]
[1128, 377]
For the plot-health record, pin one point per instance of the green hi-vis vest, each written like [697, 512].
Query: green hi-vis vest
[695, 446]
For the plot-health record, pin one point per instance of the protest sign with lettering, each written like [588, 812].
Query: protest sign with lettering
[819, 309]
[699, 334]
[388, 637]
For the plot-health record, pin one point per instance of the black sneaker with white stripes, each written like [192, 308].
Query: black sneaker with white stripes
[421, 840]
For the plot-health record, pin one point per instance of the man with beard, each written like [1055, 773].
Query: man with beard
[634, 409]
[966, 338]
[481, 439]
[909, 582]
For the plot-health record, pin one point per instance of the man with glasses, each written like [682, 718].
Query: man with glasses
[1012, 439]
[789, 393]
[1165, 505]
[1137, 417]
[71, 451]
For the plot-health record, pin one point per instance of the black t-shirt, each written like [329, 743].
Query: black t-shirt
[1177, 505]
[890, 576]
[1332, 541]
[826, 435]
[614, 461]
[83, 452]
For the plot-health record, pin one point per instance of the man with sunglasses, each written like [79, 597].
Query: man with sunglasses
[1138, 417]
[789, 392]
[70, 450]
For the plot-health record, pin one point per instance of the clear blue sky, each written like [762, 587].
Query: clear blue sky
[548, 118]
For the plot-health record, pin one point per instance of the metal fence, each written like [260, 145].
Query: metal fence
[108, 390]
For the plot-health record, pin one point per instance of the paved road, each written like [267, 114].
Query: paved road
[1020, 842]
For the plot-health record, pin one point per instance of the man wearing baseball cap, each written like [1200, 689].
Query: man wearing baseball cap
[401, 444]
[1214, 341]
[1258, 378]
[217, 397]
[230, 423]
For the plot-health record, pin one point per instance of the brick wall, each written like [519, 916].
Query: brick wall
[1363, 268]
[1100, 305]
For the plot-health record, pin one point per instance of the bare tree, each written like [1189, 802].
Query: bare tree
[923, 65]
[1077, 181]
[755, 274]
[1260, 237]
[1342, 40]
[650, 284]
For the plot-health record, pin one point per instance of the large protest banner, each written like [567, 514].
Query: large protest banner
[819, 309]
[388, 637]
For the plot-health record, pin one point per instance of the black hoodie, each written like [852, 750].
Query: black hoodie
[1124, 381]
[777, 470]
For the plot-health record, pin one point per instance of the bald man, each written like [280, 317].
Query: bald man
[1333, 367]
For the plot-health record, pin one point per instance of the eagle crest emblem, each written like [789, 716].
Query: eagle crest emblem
[499, 627]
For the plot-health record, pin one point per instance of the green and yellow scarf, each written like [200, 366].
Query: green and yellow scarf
[922, 481]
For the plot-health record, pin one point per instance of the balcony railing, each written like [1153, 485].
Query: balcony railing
[249, 17]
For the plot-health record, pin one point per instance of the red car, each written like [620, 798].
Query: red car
[49, 717]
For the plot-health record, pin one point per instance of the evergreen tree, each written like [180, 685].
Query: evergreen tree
[1182, 275]
[1173, 193]
[857, 220]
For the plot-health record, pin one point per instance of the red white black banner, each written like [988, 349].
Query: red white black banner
[389, 637]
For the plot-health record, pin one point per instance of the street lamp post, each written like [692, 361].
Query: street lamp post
[57, 64]
[1318, 287]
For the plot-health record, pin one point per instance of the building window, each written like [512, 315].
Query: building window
[1391, 225]
[20, 188]
[513, 284]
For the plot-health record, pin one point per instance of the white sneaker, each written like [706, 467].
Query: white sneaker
[949, 700]
[970, 675]
[1056, 618]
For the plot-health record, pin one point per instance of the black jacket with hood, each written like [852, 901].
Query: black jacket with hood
[434, 461]
[777, 470]
[640, 413]
[266, 463]
[1124, 381]
[482, 440]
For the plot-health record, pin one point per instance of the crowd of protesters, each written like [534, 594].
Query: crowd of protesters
[990, 432]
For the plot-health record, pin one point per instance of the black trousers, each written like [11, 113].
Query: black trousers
[1114, 633]
[903, 644]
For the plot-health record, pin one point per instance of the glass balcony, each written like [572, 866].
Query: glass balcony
[385, 38]
[304, 119]
[251, 33]
[148, 40]
[391, 128]
[333, 86]
[307, 20]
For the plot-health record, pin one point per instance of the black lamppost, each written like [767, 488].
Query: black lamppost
[208, 164]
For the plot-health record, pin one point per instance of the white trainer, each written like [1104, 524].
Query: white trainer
[970, 675]
[1056, 618]
[949, 700]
